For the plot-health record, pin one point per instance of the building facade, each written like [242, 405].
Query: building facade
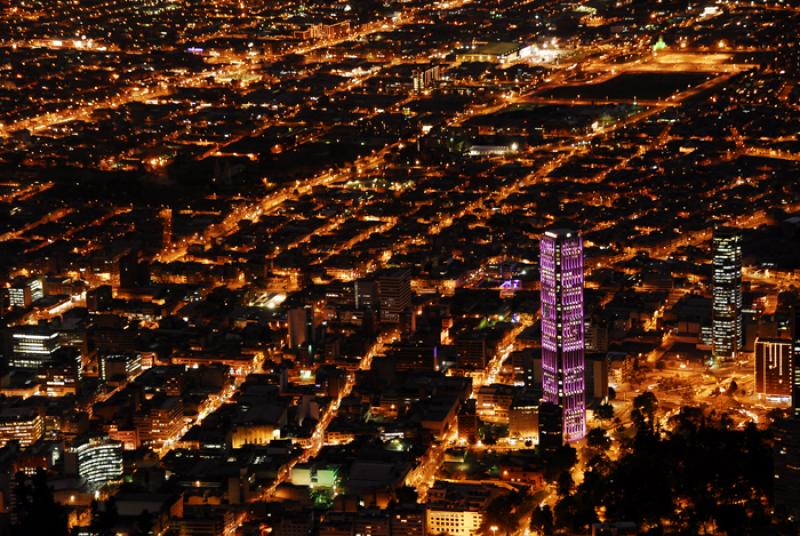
[596, 368]
[773, 367]
[523, 419]
[23, 292]
[32, 346]
[455, 522]
[120, 365]
[20, 424]
[394, 294]
[159, 422]
[300, 326]
[561, 269]
[99, 461]
[726, 318]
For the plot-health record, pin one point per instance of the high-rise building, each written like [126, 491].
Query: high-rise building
[596, 370]
[394, 294]
[33, 346]
[523, 415]
[773, 367]
[24, 291]
[726, 318]
[365, 294]
[551, 428]
[99, 461]
[561, 267]
[159, 420]
[301, 326]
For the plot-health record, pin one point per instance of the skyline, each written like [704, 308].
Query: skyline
[399, 268]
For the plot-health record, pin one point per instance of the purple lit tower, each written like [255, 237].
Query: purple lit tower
[561, 266]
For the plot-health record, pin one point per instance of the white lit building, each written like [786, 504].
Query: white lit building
[456, 522]
[99, 461]
[31, 347]
[23, 292]
[726, 316]
[21, 424]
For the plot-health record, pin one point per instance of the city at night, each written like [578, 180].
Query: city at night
[399, 267]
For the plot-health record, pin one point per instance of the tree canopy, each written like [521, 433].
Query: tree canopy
[693, 478]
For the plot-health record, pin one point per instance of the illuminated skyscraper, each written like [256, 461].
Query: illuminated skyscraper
[561, 267]
[726, 322]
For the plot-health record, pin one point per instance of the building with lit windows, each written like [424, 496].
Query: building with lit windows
[23, 424]
[458, 509]
[409, 521]
[426, 77]
[32, 346]
[455, 522]
[159, 421]
[120, 366]
[523, 419]
[62, 374]
[773, 368]
[19, 296]
[313, 476]
[99, 461]
[394, 294]
[561, 279]
[726, 317]
[494, 401]
[23, 292]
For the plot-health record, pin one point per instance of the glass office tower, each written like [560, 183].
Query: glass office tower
[726, 319]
